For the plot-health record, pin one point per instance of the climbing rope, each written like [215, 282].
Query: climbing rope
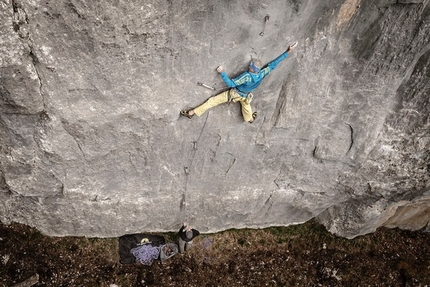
[146, 254]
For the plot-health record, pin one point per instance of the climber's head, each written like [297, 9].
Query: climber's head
[255, 66]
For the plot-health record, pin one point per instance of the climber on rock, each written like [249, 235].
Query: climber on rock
[240, 88]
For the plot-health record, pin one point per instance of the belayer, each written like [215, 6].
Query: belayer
[186, 236]
[240, 88]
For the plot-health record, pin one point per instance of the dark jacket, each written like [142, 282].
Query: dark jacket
[183, 235]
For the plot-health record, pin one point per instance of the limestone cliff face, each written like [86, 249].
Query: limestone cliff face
[92, 142]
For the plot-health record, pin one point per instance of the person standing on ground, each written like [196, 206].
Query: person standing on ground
[240, 88]
[186, 236]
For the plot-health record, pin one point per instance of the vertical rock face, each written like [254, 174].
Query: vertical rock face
[92, 142]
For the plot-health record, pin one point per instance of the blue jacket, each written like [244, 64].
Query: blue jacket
[247, 81]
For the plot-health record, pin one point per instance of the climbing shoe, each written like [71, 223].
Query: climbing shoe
[254, 116]
[186, 114]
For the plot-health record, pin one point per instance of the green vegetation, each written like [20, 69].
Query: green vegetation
[303, 255]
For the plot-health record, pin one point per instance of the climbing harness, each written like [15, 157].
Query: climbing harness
[266, 19]
[249, 98]
[240, 93]
[229, 97]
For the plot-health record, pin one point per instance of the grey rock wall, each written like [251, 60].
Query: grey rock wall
[92, 142]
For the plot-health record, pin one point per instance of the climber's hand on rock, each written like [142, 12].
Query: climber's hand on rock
[292, 47]
[219, 69]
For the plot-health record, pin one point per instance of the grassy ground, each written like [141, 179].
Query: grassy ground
[302, 255]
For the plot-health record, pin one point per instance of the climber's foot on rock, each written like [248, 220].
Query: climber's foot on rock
[254, 116]
[189, 114]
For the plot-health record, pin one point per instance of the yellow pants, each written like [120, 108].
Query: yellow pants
[223, 98]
